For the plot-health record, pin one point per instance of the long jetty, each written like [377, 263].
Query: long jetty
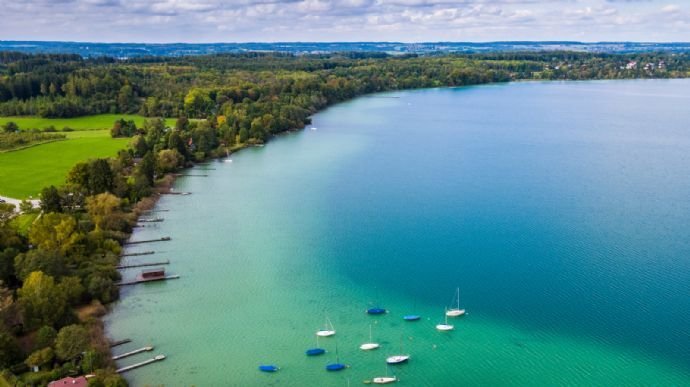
[176, 193]
[168, 277]
[154, 220]
[163, 239]
[138, 254]
[127, 266]
[132, 353]
[141, 364]
[120, 342]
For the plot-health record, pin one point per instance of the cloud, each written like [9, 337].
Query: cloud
[343, 20]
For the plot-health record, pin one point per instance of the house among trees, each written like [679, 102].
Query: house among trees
[68, 381]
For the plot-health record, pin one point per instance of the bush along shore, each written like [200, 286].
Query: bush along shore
[57, 277]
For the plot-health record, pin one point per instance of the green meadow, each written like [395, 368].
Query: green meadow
[99, 121]
[25, 172]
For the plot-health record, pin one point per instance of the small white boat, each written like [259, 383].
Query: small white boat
[456, 312]
[370, 345]
[445, 326]
[328, 330]
[228, 160]
[313, 128]
[397, 359]
[385, 379]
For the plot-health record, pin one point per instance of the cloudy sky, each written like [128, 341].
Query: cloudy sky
[344, 20]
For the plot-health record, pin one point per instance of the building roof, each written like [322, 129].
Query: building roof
[68, 381]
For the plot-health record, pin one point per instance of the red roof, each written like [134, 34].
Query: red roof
[77, 382]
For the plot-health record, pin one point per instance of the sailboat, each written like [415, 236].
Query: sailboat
[384, 379]
[337, 366]
[398, 359]
[316, 350]
[456, 312]
[328, 330]
[370, 345]
[445, 326]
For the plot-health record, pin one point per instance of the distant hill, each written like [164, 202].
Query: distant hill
[129, 50]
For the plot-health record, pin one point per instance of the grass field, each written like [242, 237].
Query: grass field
[100, 121]
[25, 172]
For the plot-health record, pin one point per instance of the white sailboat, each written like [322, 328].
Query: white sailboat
[398, 359]
[445, 326]
[456, 312]
[370, 345]
[385, 379]
[328, 330]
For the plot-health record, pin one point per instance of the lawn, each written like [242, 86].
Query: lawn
[99, 121]
[25, 172]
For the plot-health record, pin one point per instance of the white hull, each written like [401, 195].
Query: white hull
[369, 346]
[397, 359]
[455, 312]
[445, 327]
[325, 333]
[385, 380]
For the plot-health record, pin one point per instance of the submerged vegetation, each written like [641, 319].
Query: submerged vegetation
[64, 262]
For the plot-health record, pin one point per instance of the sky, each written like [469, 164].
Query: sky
[207, 21]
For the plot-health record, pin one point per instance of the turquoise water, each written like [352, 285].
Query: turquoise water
[561, 210]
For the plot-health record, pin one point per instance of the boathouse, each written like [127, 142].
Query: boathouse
[152, 274]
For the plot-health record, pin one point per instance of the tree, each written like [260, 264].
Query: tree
[10, 127]
[6, 212]
[42, 300]
[197, 102]
[100, 176]
[101, 207]
[182, 123]
[139, 145]
[56, 232]
[45, 337]
[169, 160]
[9, 351]
[51, 200]
[73, 290]
[71, 341]
[147, 167]
[49, 262]
[125, 99]
[40, 357]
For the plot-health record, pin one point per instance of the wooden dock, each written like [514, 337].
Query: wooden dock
[132, 353]
[138, 254]
[140, 281]
[141, 364]
[186, 174]
[163, 239]
[120, 342]
[176, 193]
[154, 220]
[166, 262]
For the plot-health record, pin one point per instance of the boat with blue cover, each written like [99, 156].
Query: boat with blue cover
[316, 351]
[411, 317]
[337, 366]
[376, 311]
[268, 368]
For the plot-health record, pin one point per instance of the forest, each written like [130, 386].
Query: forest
[58, 277]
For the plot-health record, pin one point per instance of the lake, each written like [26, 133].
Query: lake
[561, 210]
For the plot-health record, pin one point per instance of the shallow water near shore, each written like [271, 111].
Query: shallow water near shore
[561, 210]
